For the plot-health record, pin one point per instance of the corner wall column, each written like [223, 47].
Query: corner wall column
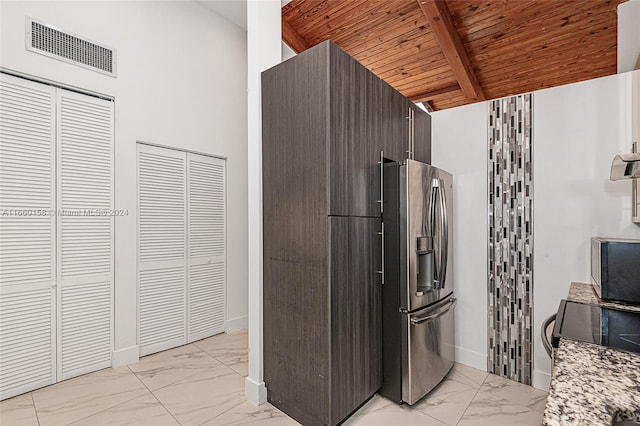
[263, 52]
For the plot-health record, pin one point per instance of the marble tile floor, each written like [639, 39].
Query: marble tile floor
[203, 384]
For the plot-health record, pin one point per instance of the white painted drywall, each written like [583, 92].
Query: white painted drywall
[234, 11]
[628, 35]
[287, 52]
[459, 145]
[578, 129]
[181, 83]
[264, 51]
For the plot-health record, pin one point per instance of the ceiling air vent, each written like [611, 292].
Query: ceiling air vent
[67, 47]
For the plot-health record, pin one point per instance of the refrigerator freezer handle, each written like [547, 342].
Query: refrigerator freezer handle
[437, 314]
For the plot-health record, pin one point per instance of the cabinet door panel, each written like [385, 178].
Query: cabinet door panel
[422, 134]
[393, 124]
[355, 144]
[356, 336]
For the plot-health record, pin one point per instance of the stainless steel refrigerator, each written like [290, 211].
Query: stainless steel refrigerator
[418, 297]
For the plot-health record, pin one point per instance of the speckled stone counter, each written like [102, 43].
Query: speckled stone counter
[584, 293]
[590, 384]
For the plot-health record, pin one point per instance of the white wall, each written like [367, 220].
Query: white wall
[459, 145]
[628, 35]
[264, 51]
[578, 129]
[287, 52]
[181, 83]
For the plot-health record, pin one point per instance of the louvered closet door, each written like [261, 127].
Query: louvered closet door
[27, 236]
[162, 248]
[85, 240]
[207, 246]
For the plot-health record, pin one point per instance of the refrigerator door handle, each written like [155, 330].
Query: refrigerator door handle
[436, 218]
[437, 314]
[431, 219]
[442, 270]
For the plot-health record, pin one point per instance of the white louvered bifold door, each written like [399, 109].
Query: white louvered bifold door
[207, 242]
[27, 236]
[85, 240]
[162, 249]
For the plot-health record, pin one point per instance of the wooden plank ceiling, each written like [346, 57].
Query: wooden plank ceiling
[454, 52]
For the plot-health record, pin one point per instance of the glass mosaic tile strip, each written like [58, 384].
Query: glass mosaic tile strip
[510, 243]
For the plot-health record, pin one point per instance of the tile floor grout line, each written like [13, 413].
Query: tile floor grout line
[73, 378]
[431, 417]
[231, 408]
[108, 408]
[505, 399]
[207, 352]
[470, 402]
[33, 401]
[462, 383]
[155, 397]
[474, 397]
[218, 415]
[184, 378]
[513, 401]
[212, 356]
[220, 361]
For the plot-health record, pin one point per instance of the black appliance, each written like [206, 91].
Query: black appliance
[615, 269]
[614, 328]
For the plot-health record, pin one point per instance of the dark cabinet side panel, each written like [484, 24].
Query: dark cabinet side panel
[391, 319]
[356, 349]
[355, 143]
[296, 291]
[422, 131]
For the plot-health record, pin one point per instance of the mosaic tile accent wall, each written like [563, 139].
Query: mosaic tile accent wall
[510, 278]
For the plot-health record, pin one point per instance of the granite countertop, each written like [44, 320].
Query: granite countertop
[584, 293]
[590, 384]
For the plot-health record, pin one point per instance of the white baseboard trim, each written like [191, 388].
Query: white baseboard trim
[541, 380]
[125, 356]
[238, 323]
[471, 358]
[254, 391]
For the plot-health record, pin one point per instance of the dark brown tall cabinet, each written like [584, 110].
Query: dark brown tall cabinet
[326, 119]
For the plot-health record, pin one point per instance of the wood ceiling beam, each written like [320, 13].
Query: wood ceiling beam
[292, 38]
[439, 18]
[434, 94]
